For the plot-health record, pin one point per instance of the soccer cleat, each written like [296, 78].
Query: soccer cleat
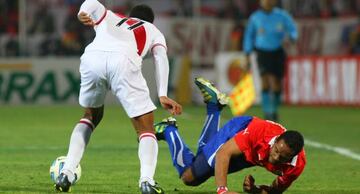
[210, 93]
[161, 126]
[62, 183]
[147, 188]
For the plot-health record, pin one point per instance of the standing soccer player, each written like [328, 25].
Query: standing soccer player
[242, 142]
[113, 62]
[265, 33]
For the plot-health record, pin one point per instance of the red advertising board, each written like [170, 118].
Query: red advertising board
[323, 80]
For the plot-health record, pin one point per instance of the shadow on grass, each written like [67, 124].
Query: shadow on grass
[22, 189]
[189, 191]
[8, 189]
[12, 189]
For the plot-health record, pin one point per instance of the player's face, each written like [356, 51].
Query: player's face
[280, 153]
[268, 4]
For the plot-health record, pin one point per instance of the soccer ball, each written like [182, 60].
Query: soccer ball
[56, 167]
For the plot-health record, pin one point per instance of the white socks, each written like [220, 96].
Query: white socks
[148, 151]
[78, 141]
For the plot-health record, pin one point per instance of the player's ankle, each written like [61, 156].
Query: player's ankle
[213, 107]
[146, 179]
[69, 174]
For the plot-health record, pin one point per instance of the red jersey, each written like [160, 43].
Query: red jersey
[255, 142]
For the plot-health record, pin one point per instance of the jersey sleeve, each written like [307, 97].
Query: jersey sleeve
[159, 52]
[94, 8]
[161, 69]
[246, 139]
[290, 26]
[250, 35]
[242, 140]
[159, 40]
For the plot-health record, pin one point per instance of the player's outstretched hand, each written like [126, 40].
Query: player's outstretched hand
[249, 184]
[85, 19]
[173, 107]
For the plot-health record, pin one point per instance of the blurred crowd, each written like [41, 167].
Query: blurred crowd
[53, 30]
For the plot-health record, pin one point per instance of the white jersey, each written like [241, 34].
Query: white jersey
[116, 32]
[135, 37]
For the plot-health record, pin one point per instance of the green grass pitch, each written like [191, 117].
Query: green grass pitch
[32, 136]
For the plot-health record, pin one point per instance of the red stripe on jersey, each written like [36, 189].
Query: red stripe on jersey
[120, 15]
[102, 18]
[131, 21]
[140, 35]
[158, 44]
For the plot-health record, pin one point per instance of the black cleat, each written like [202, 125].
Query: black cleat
[147, 188]
[62, 183]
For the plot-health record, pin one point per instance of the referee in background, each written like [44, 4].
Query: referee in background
[265, 33]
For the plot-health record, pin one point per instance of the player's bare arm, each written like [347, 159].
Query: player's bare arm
[173, 107]
[222, 160]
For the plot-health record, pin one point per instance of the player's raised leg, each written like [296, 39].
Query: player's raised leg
[215, 101]
[181, 155]
[91, 96]
[80, 137]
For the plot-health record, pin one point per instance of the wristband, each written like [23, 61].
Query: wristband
[221, 189]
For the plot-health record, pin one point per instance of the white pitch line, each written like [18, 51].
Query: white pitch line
[339, 150]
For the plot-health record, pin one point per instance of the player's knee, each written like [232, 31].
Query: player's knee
[188, 178]
[265, 86]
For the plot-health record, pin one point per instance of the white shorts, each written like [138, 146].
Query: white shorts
[102, 71]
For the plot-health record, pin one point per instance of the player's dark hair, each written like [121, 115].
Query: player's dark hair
[294, 140]
[143, 12]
